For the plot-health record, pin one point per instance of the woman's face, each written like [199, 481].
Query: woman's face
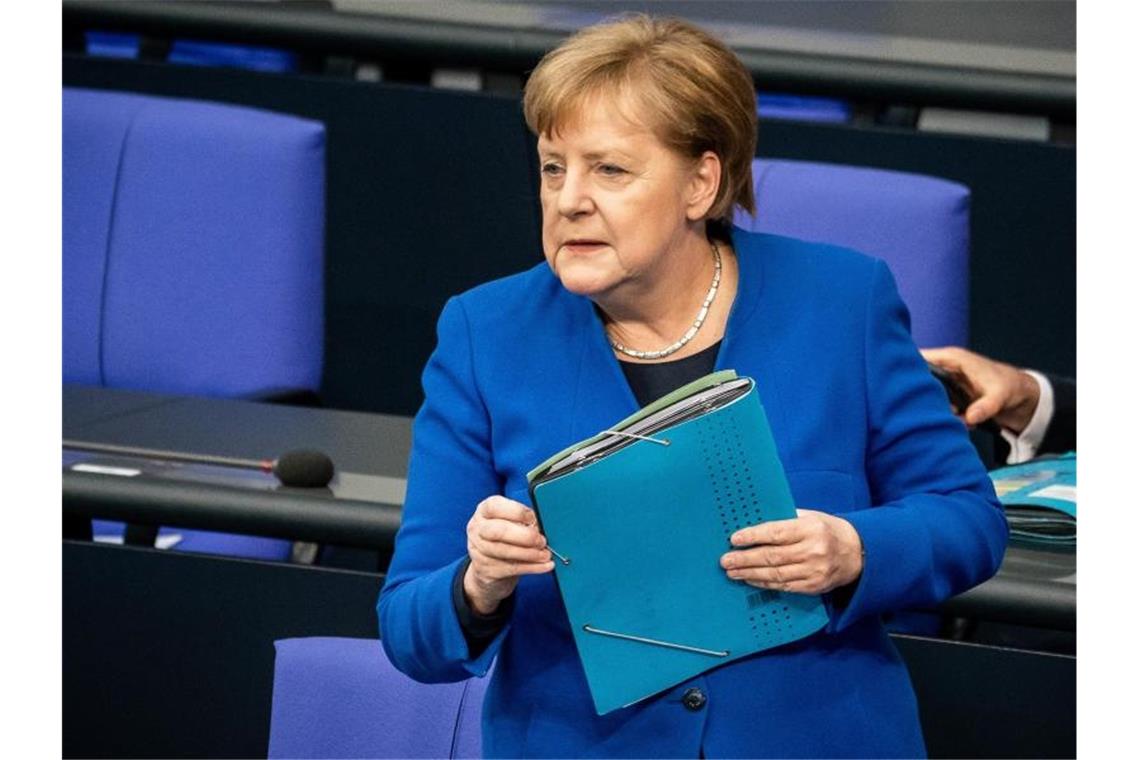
[615, 202]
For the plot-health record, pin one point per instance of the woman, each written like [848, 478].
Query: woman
[646, 135]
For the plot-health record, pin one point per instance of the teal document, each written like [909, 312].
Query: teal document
[1040, 500]
[639, 517]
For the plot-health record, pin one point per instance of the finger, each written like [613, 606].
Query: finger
[981, 410]
[936, 356]
[764, 556]
[947, 357]
[507, 532]
[495, 570]
[502, 508]
[508, 552]
[534, 568]
[774, 532]
[774, 577]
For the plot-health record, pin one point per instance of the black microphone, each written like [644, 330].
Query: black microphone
[299, 468]
[303, 468]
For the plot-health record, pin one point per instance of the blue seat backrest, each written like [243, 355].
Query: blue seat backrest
[772, 105]
[919, 225]
[342, 698]
[94, 131]
[193, 246]
[195, 52]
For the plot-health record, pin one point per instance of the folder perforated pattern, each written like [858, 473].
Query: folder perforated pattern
[644, 524]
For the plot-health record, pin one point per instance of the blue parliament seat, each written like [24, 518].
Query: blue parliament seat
[193, 254]
[112, 44]
[773, 105]
[227, 55]
[918, 225]
[342, 698]
[195, 52]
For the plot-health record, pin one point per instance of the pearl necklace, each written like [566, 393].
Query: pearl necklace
[692, 331]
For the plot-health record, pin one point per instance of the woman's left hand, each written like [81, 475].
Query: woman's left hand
[812, 554]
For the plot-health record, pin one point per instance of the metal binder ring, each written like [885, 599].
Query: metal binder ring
[661, 441]
[656, 642]
[565, 560]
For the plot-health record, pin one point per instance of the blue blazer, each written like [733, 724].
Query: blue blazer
[523, 368]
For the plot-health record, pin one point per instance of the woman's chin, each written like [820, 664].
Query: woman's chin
[585, 277]
[584, 284]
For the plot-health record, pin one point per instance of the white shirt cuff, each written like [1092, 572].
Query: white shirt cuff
[1024, 447]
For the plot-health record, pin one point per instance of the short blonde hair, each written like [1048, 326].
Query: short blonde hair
[691, 89]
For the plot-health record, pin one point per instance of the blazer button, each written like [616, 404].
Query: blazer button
[694, 699]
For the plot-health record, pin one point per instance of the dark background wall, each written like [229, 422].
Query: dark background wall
[431, 192]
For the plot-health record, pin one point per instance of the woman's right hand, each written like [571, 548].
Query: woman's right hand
[504, 544]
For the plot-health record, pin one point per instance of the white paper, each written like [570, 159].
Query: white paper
[103, 469]
[165, 541]
[1064, 493]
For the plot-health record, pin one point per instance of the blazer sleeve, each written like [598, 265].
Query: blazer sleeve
[450, 471]
[1061, 434]
[935, 527]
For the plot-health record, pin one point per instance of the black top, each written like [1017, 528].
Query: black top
[648, 382]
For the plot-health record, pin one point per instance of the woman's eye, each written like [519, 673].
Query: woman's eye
[610, 170]
[551, 170]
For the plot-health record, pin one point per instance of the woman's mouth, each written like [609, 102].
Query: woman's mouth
[583, 246]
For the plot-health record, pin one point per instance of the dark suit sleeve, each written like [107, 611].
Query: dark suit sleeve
[1061, 435]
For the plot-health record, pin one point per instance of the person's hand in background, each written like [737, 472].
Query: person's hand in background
[997, 390]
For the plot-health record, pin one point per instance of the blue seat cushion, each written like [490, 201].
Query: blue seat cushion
[341, 698]
[203, 541]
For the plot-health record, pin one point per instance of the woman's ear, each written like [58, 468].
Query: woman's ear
[703, 184]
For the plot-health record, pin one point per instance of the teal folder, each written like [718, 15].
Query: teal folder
[1040, 500]
[639, 517]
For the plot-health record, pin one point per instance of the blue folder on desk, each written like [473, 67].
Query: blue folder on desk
[640, 516]
[1040, 500]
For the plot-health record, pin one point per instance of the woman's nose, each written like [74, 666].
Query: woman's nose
[574, 196]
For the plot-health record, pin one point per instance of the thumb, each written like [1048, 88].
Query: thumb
[981, 410]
